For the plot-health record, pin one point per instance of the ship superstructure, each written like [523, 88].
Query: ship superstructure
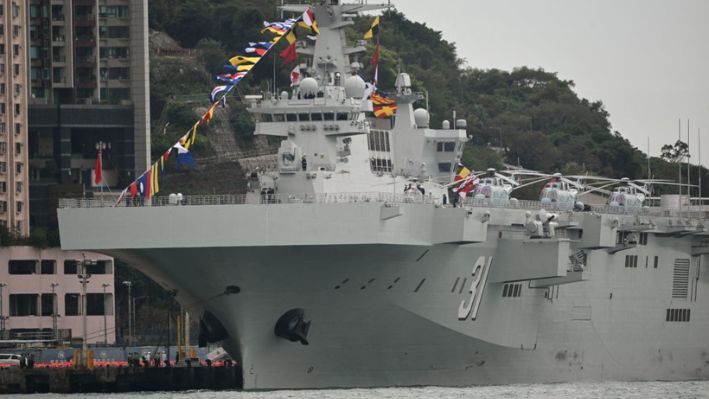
[348, 267]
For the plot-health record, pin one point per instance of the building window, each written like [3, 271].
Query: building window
[114, 32]
[18, 148]
[100, 267]
[3, 147]
[16, 30]
[48, 266]
[113, 11]
[3, 167]
[2, 46]
[17, 69]
[22, 266]
[3, 187]
[18, 187]
[2, 88]
[71, 266]
[18, 168]
[24, 305]
[71, 305]
[99, 304]
[3, 208]
[19, 204]
[48, 303]
[15, 10]
[18, 109]
[18, 89]
[113, 52]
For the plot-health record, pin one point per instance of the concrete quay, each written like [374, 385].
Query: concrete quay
[118, 379]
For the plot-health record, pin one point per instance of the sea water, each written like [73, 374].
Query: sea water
[609, 390]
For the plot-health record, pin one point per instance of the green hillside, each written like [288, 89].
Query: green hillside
[526, 116]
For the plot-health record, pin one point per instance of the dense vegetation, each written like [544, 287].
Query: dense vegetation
[526, 116]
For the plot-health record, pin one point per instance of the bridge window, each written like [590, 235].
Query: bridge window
[445, 146]
[380, 165]
[304, 117]
[329, 116]
[266, 118]
[379, 141]
[291, 118]
[316, 116]
[444, 167]
[278, 118]
[343, 116]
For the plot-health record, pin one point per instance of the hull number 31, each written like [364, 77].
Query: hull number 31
[469, 307]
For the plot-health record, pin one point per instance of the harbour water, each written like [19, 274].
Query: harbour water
[606, 390]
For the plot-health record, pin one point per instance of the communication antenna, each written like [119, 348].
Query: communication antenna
[699, 144]
[689, 188]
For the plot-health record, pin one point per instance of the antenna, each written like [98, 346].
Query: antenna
[648, 158]
[699, 144]
[679, 164]
[689, 188]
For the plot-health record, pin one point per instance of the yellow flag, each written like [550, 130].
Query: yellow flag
[373, 30]
[290, 37]
[240, 59]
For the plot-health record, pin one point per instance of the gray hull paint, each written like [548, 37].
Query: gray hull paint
[372, 327]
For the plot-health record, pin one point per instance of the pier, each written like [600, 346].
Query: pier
[118, 379]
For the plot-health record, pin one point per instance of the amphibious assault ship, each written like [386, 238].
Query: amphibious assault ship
[347, 266]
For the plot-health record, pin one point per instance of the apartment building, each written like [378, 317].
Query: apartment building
[41, 295]
[89, 87]
[13, 117]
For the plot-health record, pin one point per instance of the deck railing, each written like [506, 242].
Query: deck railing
[693, 212]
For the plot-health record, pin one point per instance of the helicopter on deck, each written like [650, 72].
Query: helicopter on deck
[491, 187]
[558, 193]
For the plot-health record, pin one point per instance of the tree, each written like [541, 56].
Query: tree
[675, 153]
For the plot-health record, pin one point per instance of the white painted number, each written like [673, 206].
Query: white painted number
[477, 285]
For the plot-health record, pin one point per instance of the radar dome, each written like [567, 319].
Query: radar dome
[421, 118]
[354, 87]
[309, 86]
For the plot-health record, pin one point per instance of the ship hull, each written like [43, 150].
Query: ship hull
[406, 304]
[379, 317]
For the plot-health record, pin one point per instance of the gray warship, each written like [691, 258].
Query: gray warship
[348, 266]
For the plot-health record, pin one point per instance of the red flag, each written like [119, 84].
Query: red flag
[99, 168]
[288, 54]
[133, 190]
[375, 62]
